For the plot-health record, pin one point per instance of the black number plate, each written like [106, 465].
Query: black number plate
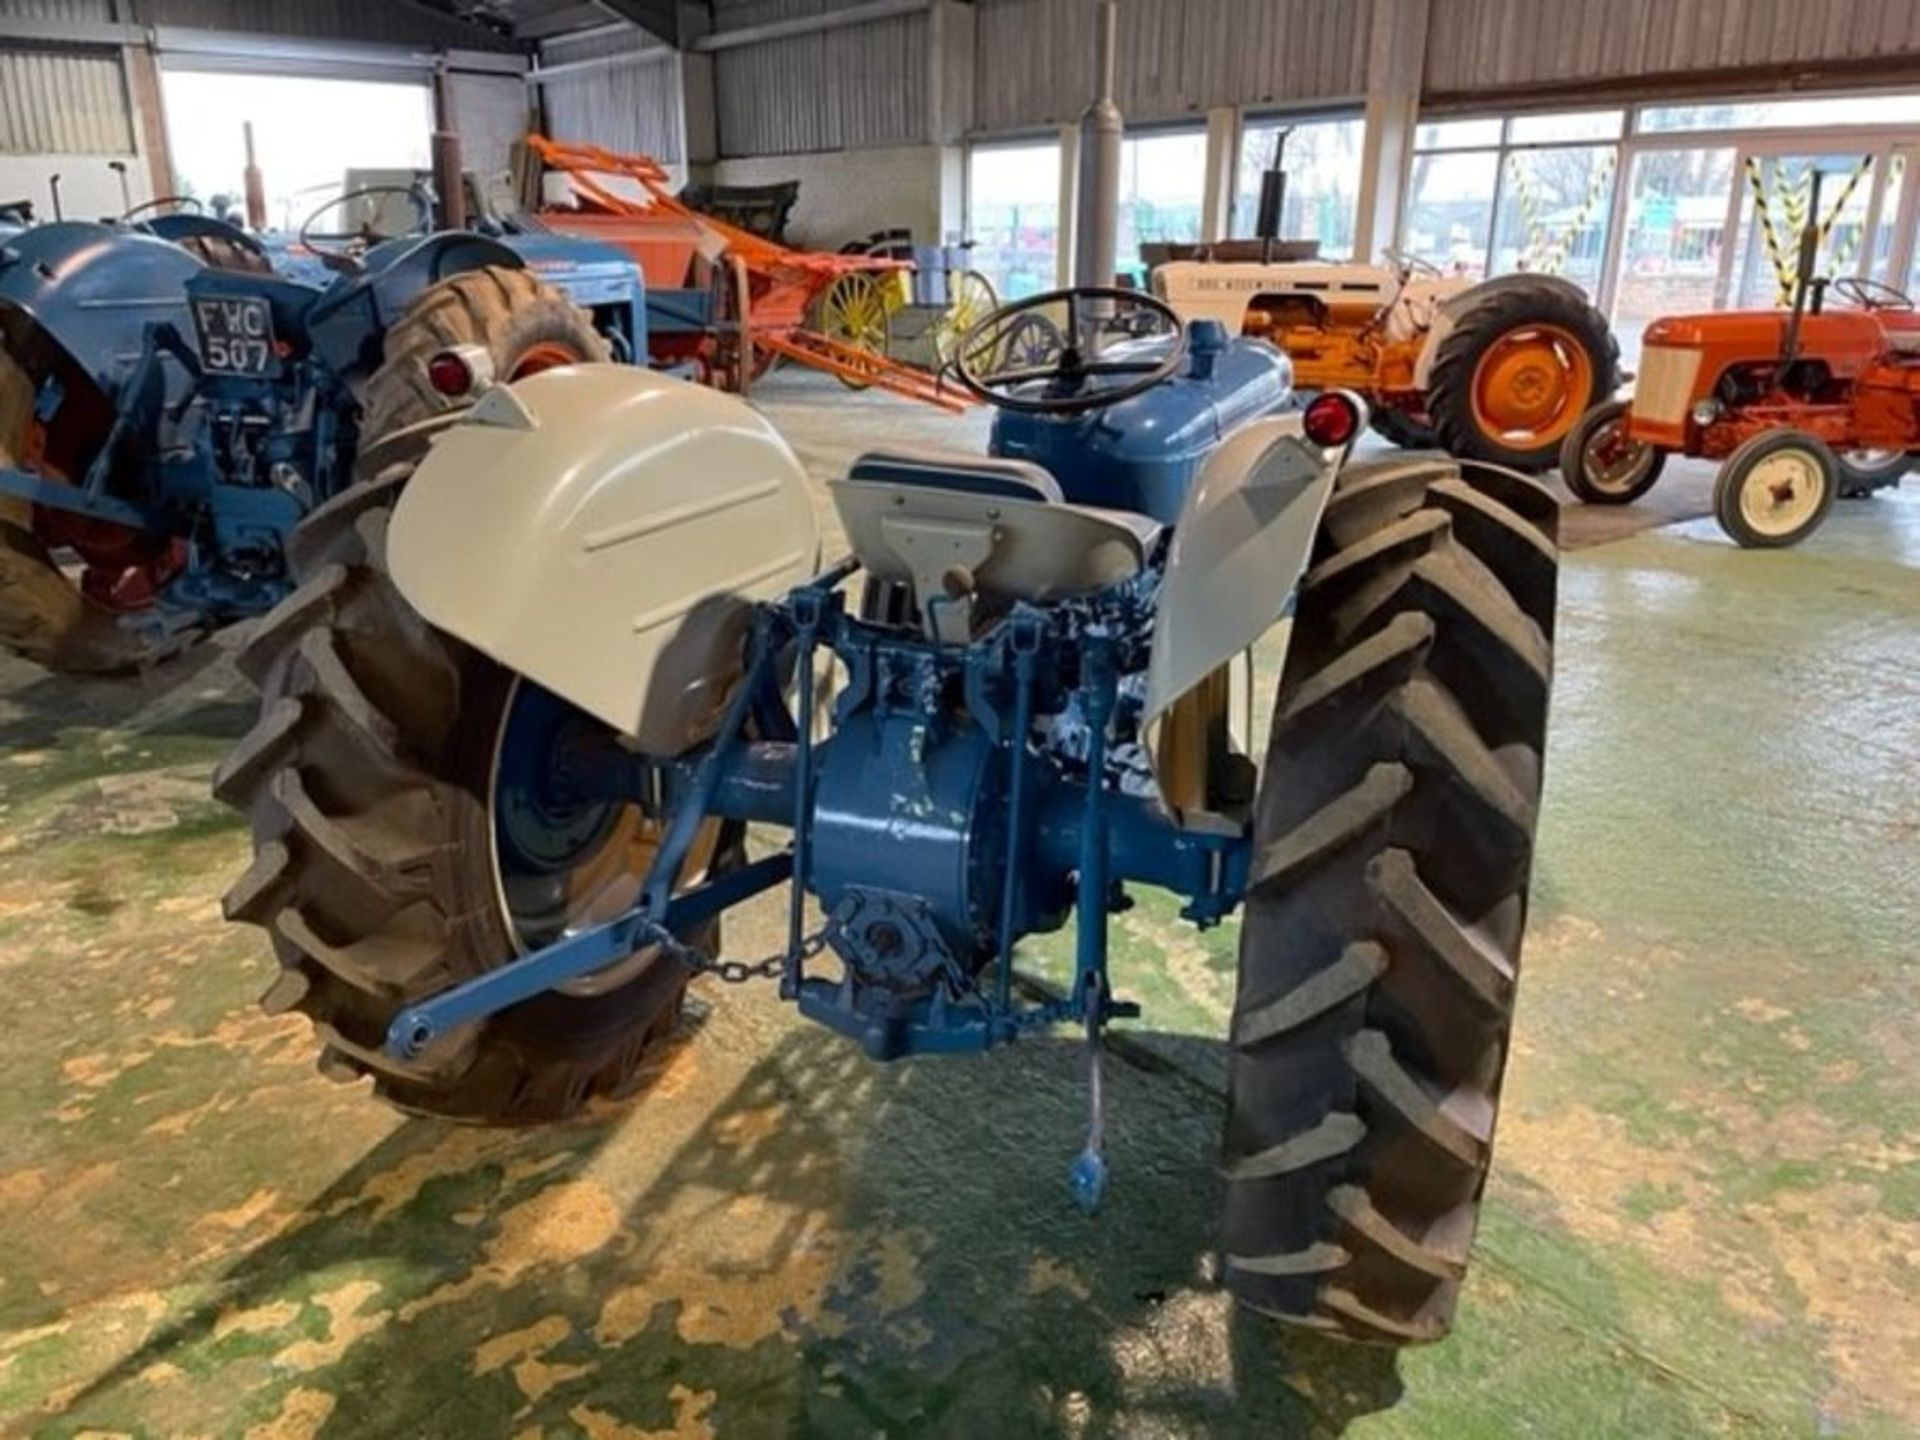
[236, 335]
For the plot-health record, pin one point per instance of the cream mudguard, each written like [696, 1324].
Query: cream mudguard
[1244, 539]
[599, 529]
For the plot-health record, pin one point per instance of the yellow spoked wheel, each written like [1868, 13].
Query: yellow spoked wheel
[970, 299]
[854, 312]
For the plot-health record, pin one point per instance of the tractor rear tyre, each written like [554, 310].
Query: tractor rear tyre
[1517, 371]
[1862, 472]
[368, 782]
[526, 326]
[1393, 836]
[1409, 432]
[44, 615]
[217, 252]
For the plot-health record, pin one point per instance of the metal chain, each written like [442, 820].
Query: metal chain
[733, 972]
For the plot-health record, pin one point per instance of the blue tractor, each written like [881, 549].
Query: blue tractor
[172, 405]
[531, 692]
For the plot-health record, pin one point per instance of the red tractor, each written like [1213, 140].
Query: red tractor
[1799, 405]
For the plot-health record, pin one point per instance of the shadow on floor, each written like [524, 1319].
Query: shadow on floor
[836, 1248]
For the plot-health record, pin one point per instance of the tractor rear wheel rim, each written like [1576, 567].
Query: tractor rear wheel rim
[1782, 492]
[560, 864]
[1532, 385]
[545, 355]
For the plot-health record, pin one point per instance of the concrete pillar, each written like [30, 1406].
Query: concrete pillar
[950, 58]
[1223, 166]
[1396, 55]
[699, 121]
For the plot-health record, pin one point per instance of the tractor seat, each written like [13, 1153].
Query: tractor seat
[996, 476]
[925, 517]
[958, 470]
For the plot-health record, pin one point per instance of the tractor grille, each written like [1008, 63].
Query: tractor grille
[1664, 390]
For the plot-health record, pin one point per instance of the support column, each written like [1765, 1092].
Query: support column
[149, 117]
[1223, 168]
[1396, 56]
[699, 122]
[950, 56]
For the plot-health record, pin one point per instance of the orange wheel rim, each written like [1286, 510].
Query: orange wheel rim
[547, 355]
[1532, 385]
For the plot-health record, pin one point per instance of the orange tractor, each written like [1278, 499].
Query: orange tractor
[1799, 405]
[1497, 370]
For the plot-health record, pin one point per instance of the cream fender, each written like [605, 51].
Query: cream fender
[600, 529]
[1244, 539]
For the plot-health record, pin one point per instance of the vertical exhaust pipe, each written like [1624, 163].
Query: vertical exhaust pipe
[1101, 127]
[255, 184]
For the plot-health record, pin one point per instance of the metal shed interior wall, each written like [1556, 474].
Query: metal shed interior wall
[1480, 51]
[631, 104]
[1035, 58]
[856, 87]
[61, 102]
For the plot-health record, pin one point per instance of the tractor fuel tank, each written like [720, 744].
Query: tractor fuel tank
[1143, 454]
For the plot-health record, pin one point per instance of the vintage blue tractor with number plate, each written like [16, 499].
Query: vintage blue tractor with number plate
[530, 694]
[166, 423]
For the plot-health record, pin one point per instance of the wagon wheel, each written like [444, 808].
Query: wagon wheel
[737, 362]
[854, 312]
[970, 299]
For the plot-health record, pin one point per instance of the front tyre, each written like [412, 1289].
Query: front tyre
[391, 861]
[1776, 489]
[1393, 839]
[1602, 464]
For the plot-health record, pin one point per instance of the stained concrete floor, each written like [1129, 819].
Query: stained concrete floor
[1704, 1216]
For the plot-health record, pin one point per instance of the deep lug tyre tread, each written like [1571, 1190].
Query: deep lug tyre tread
[1380, 948]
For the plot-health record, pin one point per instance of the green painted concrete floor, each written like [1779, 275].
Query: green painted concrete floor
[1704, 1216]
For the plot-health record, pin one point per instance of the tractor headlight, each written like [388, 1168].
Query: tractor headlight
[1706, 411]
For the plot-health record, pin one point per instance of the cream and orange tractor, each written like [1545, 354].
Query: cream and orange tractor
[1801, 406]
[1497, 370]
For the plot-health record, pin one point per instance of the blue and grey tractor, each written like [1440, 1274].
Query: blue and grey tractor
[172, 406]
[532, 691]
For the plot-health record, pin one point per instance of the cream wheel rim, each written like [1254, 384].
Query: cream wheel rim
[1782, 492]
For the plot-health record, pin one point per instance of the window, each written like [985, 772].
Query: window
[1013, 216]
[1782, 114]
[1489, 197]
[1450, 209]
[1554, 203]
[1321, 159]
[1162, 185]
[370, 125]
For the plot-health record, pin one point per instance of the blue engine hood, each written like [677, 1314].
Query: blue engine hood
[1142, 454]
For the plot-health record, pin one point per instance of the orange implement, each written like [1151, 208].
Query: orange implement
[770, 289]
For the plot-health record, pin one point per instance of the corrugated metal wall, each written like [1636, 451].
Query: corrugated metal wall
[380, 22]
[60, 102]
[98, 12]
[1035, 58]
[1489, 48]
[855, 87]
[631, 105]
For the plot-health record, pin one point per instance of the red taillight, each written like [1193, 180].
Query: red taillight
[1331, 420]
[449, 374]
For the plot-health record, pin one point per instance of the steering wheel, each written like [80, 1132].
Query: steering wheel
[1411, 264]
[173, 203]
[1867, 294]
[351, 244]
[1054, 353]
